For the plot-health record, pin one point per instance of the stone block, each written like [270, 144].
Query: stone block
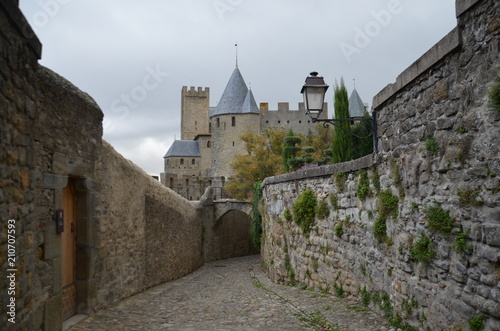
[52, 241]
[53, 181]
[492, 234]
[53, 313]
[487, 252]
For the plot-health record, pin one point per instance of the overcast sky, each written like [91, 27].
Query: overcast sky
[133, 57]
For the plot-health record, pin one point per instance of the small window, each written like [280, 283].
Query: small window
[233, 143]
[233, 121]
[279, 122]
[218, 122]
[193, 161]
[182, 161]
[208, 144]
[300, 122]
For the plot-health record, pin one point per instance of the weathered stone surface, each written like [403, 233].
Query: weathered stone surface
[460, 176]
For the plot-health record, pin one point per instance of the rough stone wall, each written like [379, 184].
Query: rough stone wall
[146, 234]
[18, 64]
[286, 119]
[438, 147]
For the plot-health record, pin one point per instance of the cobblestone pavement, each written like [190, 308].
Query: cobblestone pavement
[233, 294]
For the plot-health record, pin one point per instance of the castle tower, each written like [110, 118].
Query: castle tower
[194, 112]
[235, 114]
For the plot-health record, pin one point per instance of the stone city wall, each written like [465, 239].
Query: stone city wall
[414, 230]
[288, 119]
[131, 231]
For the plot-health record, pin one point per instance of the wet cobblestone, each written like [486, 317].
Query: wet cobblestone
[232, 294]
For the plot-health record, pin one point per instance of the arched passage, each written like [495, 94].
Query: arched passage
[232, 235]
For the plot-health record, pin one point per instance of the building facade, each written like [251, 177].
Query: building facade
[210, 136]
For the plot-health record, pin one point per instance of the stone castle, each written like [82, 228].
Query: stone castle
[210, 136]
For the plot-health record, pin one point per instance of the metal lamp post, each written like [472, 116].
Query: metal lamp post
[314, 91]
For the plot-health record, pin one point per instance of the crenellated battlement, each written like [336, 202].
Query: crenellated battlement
[195, 91]
[282, 107]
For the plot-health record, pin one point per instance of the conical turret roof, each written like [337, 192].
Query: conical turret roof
[237, 98]
[356, 106]
[249, 105]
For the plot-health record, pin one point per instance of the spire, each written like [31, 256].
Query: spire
[356, 106]
[236, 45]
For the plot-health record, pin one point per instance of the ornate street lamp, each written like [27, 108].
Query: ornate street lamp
[314, 91]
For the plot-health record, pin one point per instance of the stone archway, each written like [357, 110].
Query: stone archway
[233, 233]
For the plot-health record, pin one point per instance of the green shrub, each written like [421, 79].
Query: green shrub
[366, 296]
[256, 220]
[376, 181]
[494, 96]
[363, 189]
[288, 215]
[340, 179]
[322, 210]
[422, 250]
[476, 323]
[380, 229]
[339, 231]
[334, 201]
[432, 146]
[438, 219]
[388, 204]
[339, 290]
[304, 210]
[468, 196]
[461, 245]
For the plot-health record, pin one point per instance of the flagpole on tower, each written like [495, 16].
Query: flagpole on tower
[236, 45]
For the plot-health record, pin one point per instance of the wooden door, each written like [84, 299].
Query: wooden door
[68, 243]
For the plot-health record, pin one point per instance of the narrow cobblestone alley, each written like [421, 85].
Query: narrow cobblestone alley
[233, 294]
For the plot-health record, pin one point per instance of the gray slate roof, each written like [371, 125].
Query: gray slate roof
[237, 98]
[356, 107]
[187, 148]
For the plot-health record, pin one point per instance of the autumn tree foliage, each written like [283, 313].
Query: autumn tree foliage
[263, 159]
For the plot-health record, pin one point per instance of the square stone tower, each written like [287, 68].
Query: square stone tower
[194, 112]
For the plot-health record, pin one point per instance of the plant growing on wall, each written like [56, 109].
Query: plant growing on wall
[380, 229]
[388, 204]
[438, 219]
[476, 323]
[461, 245]
[304, 210]
[363, 189]
[431, 146]
[342, 141]
[322, 210]
[256, 220]
[422, 250]
[494, 95]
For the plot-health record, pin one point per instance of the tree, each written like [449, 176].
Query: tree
[290, 150]
[262, 160]
[342, 140]
[362, 146]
